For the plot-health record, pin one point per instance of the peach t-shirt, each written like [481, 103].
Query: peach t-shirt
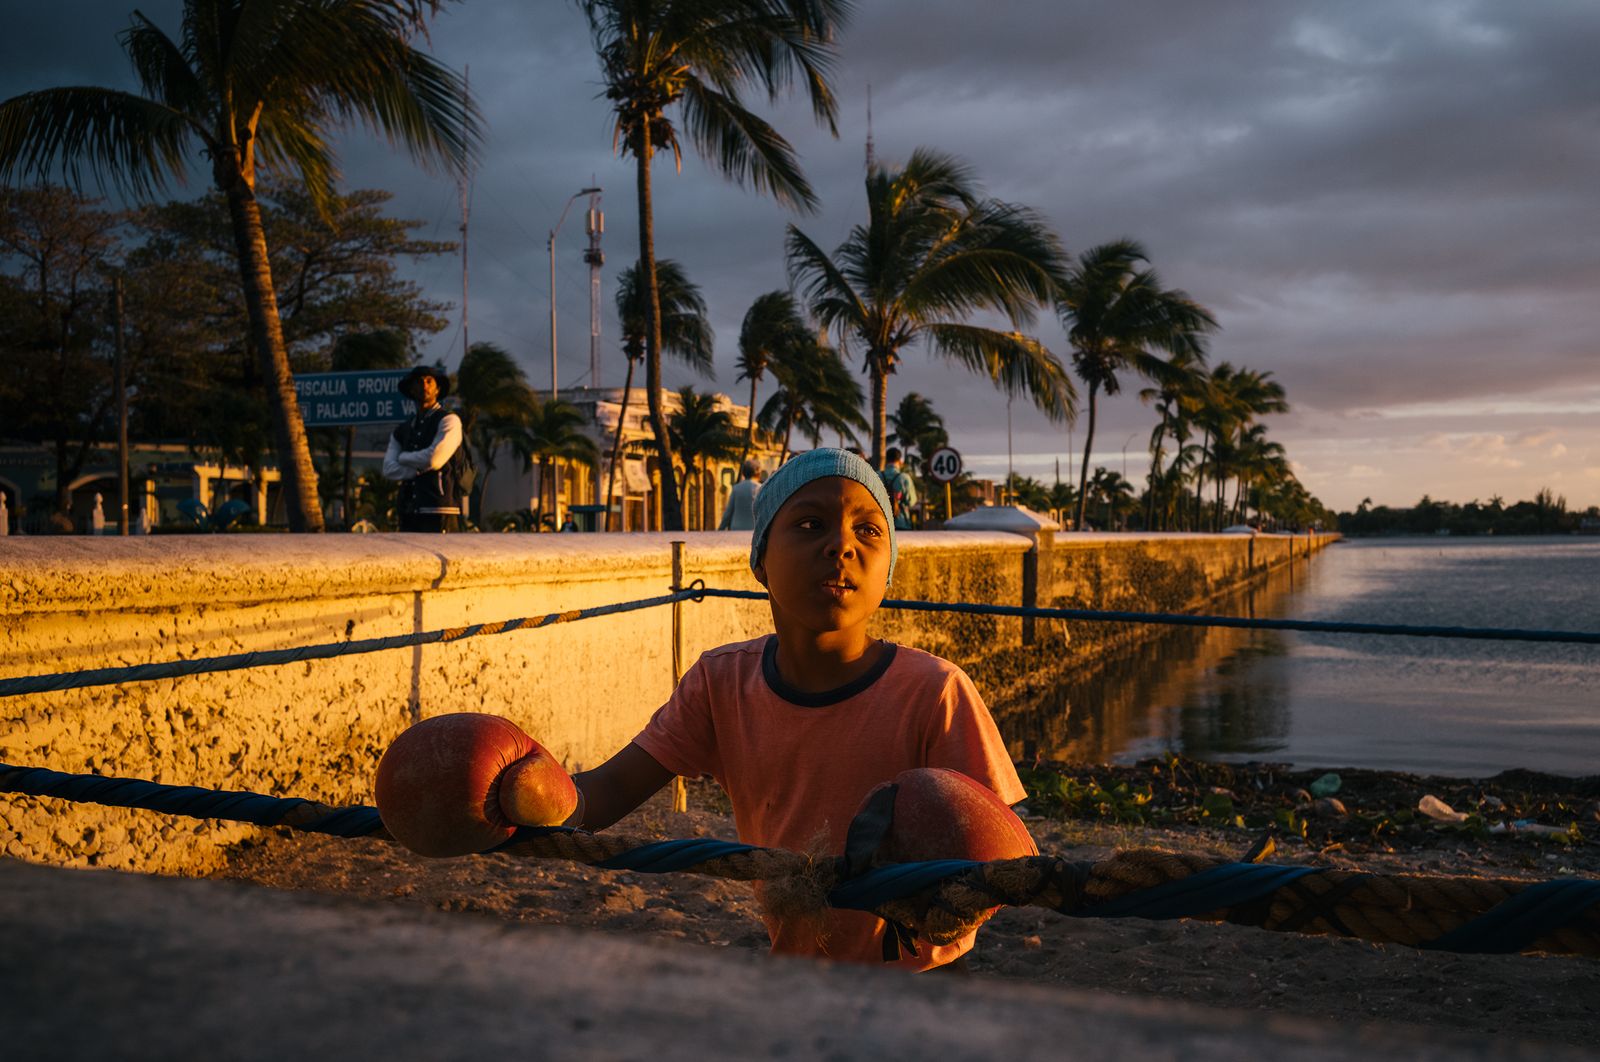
[796, 765]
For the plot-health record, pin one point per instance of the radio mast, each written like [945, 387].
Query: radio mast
[596, 226]
[871, 155]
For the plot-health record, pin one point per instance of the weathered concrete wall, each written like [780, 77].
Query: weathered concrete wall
[317, 729]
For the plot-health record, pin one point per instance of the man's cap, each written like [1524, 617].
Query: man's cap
[413, 380]
[812, 465]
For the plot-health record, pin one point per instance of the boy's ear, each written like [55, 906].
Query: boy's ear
[760, 571]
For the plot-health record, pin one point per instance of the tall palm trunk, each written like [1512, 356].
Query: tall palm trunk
[1200, 480]
[671, 507]
[1083, 472]
[880, 407]
[788, 426]
[1155, 475]
[266, 332]
[616, 448]
[750, 428]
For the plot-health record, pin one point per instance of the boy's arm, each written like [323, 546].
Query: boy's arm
[616, 787]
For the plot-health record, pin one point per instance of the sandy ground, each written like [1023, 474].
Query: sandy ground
[1523, 996]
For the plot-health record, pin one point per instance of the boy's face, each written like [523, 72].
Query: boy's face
[826, 562]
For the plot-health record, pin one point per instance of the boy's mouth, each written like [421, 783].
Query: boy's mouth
[838, 587]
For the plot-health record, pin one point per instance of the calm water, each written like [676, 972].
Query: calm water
[1413, 704]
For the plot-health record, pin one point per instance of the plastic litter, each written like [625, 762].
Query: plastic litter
[1439, 811]
[1528, 827]
[1326, 786]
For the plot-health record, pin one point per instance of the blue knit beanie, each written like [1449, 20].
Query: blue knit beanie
[816, 464]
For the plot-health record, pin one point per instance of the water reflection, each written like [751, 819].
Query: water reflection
[1209, 692]
[1443, 706]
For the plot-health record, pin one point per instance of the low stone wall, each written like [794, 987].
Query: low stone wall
[316, 729]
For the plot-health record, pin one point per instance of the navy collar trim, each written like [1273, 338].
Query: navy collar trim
[769, 671]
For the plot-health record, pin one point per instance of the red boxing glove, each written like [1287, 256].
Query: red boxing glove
[943, 814]
[457, 784]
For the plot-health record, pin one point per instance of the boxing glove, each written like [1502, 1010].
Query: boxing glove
[462, 783]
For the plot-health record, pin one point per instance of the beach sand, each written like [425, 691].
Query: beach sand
[1518, 996]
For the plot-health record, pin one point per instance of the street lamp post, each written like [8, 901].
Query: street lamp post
[552, 248]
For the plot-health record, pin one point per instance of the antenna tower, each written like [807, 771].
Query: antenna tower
[595, 223]
[872, 158]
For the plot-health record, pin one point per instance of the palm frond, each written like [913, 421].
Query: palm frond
[133, 144]
[163, 69]
[744, 146]
[1020, 365]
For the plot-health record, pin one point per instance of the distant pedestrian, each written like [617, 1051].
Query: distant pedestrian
[426, 456]
[740, 514]
[901, 487]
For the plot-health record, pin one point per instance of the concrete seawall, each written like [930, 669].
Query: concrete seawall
[317, 729]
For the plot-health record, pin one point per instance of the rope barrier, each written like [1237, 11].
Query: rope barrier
[112, 676]
[1184, 619]
[942, 901]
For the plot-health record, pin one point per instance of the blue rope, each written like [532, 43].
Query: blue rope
[873, 888]
[1229, 885]
[1180, 619]
[663, 857]
[254, 808]
[1513, 925]
[111, 676]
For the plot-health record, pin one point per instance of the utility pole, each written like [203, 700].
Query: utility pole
[552, 248]
[872, 157]
[595, 224]
[121, 384]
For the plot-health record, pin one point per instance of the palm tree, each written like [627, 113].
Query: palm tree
[685, 334]
[932, 253]
[699, 56]
[496, 404]
[701, 431]
[1117, 316]
[1114, 492]
[1180, 391]
[917, 427]
[553, 433]
[771, 327]
[252, 87]
[1237, 398]
[816, 393]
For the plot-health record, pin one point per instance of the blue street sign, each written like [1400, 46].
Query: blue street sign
[341, 399]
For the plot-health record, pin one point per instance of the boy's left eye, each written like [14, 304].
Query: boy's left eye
[869, 529]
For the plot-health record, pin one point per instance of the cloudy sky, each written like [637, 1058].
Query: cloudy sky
[1393, 207]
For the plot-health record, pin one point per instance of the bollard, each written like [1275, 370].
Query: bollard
[680, 792]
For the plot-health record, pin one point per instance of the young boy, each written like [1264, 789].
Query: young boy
[799, 725]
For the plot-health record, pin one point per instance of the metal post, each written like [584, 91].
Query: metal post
[680, 792]
[121, 385]
[949, 509]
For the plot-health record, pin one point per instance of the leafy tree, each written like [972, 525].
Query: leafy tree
[553, 432]
[700, 56]
[1114, 493]
[497, 408]
[56, 249]
[816, 393]
[1236, 398]
[187, 316]
[772, 329]
[917, 428]
[358, 352]
[685, 334]
[932, 254]
[1117, 316]
[701, 432]
[251, 86]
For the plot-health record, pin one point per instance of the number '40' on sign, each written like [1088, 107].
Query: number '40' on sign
[944, 464]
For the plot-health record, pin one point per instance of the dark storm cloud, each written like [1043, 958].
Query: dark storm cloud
[1383, 202]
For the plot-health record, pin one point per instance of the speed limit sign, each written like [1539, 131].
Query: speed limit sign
[945, 464]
